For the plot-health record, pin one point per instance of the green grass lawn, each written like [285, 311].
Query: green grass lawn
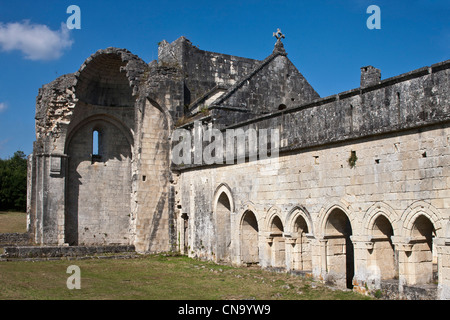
[11, 222]
[156, 277]
[152, 277]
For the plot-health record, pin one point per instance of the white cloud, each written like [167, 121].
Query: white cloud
[36, 41]
[3, 106]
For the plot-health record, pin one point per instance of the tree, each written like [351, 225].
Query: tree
[13, 182]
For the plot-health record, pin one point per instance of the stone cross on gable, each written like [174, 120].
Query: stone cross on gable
[278, 34]
[279, 48]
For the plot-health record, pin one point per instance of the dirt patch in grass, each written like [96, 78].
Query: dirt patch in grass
[156, 277]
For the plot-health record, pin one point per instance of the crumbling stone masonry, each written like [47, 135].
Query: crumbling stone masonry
[358, 196]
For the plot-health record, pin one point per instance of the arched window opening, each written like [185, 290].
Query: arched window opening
[95, 142]
[96, 146]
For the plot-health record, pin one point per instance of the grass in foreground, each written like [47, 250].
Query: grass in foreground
[11, 222]
[156, 277]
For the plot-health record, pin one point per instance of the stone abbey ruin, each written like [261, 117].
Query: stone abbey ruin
[358, 193]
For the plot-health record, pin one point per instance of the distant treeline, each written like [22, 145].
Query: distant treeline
[13, 183]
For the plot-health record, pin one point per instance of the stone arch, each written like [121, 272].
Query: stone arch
[276, 240]
[223, 188]
[422, 259]
[98, 190]
[414, 211]
[249, 246]
[383, 256]
[299, 225]
[250, 206]
[328, 208]
[294, 214]
[110, 77]
[271, 213]
[98, 187]
[223, 206]
[98, 119]
[276, 225]
[380, 225]
[337, 230]
[376, 210]
[249, 238]
[422, 225]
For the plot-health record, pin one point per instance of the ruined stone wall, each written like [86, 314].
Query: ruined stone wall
[316, 181]
[46, 166]
[369, 152]
[97, 207]
[361, 175]
[418, 98]
[203, 70]
[8, 239]
[75, 196]
[98, 186]
[153, 209]
[164, 87]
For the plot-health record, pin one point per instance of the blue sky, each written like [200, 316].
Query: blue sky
[328, 41]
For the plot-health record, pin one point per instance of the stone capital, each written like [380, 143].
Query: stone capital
[362, 242]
